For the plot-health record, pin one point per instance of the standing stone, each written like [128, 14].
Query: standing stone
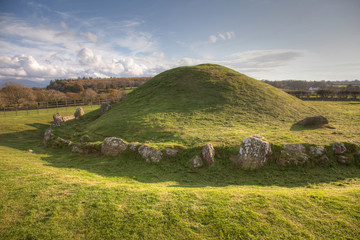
[150, 154]
[196, 162]
[338, 147]
[317, 151]
[253, 154]
[112, 146]
[58, 121]
[104, 108]
[208, 154]
[294, 154]
[48, 135]
[171, 152]
[79, 113]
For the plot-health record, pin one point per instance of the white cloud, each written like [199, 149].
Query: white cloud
[230, 35]
[137, 42]
[266, 58]
[221, 36]
[86, 57]
[213, 38]
[24, 65]
[157, 55]
[92, 37]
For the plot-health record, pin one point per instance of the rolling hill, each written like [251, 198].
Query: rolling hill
[191, 105]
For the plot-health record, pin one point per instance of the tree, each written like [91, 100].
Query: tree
[325, 93]
[100, 85]
[89, 94]
[15, 93]
[53, 95]
[40, 95]
[2, 100]
[77, 88]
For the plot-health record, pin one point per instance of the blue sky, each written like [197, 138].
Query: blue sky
[265, 39]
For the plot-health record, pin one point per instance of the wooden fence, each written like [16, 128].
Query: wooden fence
[25, 109]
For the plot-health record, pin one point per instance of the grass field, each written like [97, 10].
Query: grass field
[57, 194]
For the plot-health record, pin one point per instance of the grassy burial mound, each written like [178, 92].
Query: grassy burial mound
[188, 106]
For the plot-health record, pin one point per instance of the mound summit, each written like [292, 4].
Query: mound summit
[191, 105]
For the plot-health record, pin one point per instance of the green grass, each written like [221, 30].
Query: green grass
[190, 106]
[221, 107]
[57, 194]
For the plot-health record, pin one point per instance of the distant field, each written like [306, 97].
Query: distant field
[343, 85]
[56, 194]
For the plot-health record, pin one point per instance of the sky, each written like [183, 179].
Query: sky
[264, 39]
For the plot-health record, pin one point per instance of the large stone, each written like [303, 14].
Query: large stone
[77, 148]
[338, 147]
[104, 108]
[342, 160]
[317, 151]
[294, 154]
[48, 135]
[58, 121]
[79, 113]
[196, 162]
[133, 146]
[313, 121]
[86, 147]
[171, 152]
[60, 142]
[253, 154]
[322, 160]
[208, 154]
[112, 146]
[68, 118]
[150, 154]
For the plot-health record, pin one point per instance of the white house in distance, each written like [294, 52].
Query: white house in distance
[313, 88]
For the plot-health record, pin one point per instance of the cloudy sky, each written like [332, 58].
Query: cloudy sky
[265, 39]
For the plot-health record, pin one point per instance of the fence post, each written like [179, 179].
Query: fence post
[37, 105]
[16, 109]
[4, 112]
[27, 110]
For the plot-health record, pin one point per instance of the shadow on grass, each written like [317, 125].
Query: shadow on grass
[296, 127]
[130, 165]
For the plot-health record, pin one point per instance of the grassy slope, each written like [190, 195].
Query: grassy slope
[189, 106]
[53, 193]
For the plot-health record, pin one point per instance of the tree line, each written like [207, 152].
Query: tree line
[306, 85]
[325, 90]
[68, 90]
[99, 85]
